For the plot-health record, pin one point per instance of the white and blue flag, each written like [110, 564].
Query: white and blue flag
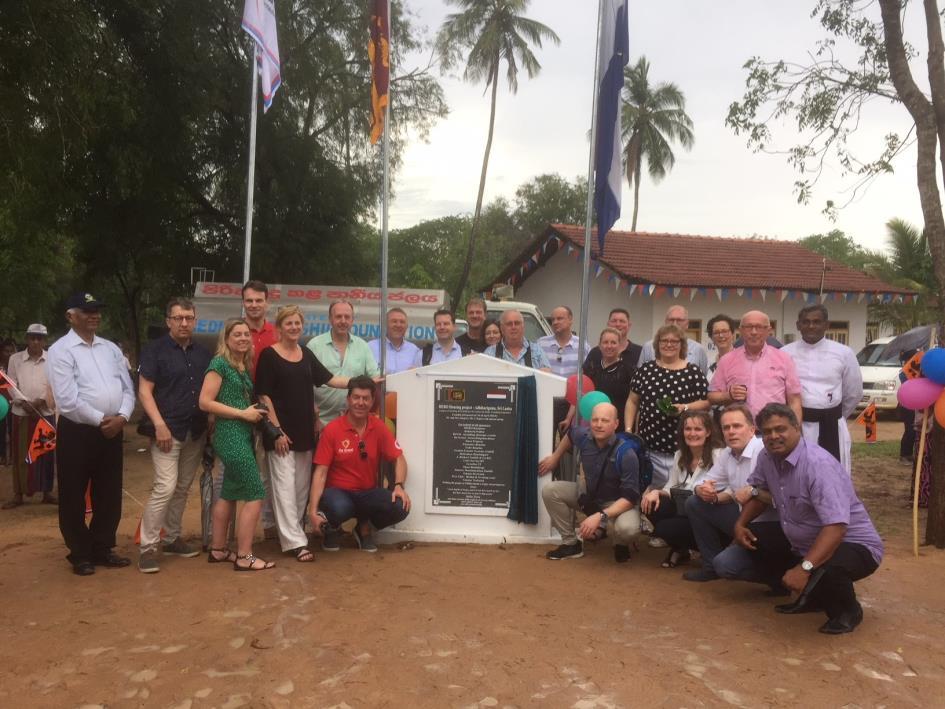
[259, 22]
[613, 57]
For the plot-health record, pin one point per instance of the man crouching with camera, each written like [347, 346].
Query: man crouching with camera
[608, 492]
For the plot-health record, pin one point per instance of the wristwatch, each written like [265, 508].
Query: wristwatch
[755, 491]
[807, 566]
[603, 518]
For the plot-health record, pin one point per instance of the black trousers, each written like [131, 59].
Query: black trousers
[834, 592]
[84, 455]
[672, 527]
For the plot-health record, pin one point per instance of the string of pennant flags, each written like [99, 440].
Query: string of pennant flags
[778, 295]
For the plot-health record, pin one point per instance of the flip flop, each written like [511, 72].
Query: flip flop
[252, 559]
[303, 555]
[228, 557]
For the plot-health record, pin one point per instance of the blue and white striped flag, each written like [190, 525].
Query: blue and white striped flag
[259, 22]
[613, 57]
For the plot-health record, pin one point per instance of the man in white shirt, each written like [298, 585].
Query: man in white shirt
[695, 353]
[445, 348]
[27, 370]
[716, 504]
[831, 383]
[401, 353]
[95, 398]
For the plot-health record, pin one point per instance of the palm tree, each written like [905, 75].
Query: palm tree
[494, 31]
[652, 118]
[908, 265]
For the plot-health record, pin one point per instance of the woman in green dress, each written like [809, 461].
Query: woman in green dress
[227, 394]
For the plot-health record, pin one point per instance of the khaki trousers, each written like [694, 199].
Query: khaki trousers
[290, 479]
[173, 475]
[561, 501]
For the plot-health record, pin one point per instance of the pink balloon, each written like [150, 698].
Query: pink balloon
[919, 393]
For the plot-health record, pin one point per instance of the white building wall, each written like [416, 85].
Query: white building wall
[558, 282]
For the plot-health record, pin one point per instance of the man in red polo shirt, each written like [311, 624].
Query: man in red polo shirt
[344, 484]
[256, 305]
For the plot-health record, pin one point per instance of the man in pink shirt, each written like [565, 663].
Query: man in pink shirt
[756, 373]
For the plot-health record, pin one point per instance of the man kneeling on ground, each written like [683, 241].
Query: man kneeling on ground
[344, 484]
[609, 495]
[828, 540]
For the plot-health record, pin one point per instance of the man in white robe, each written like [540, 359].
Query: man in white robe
[831, 384]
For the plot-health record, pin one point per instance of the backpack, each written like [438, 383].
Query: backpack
[426, 354]
[631, 441]
[499, 350]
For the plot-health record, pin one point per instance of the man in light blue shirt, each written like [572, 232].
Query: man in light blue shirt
[445, 348]
[342, 353]
[695, 353]
[514, 347]
[401, 353]
[95, 398]
[561, 348]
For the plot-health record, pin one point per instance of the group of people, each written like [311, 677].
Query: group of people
[772, 504]
[292, 428]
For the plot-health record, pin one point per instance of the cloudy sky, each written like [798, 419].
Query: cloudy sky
[720, 188]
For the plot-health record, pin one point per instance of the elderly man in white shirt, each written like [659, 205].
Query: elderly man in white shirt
[32, 399]
[831, 384]
[95, 398]
[716, 504]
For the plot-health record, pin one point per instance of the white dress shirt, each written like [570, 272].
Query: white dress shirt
[29, 376]
[830, 376]
[438, 354]
[399, 359]
[89, 381]
[731, 473]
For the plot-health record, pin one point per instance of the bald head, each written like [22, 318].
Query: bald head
[677, 315]
[603, 422]
[754, 328]
[512, 325]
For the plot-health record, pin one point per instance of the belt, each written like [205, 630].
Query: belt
[828, 437]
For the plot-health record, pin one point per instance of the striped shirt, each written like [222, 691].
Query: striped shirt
[563, 360]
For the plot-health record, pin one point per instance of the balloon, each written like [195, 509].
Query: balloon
[918, 393]
[590, 400]
[940, 410]
[4, 407]
[933, 365]
[390, 404]
[571, 390]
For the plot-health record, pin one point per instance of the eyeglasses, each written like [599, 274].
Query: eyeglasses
[719, 333]
[671, 343]
[751, 328]
[361, 450]
[181, 318]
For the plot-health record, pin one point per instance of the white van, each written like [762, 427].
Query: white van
[880, 376]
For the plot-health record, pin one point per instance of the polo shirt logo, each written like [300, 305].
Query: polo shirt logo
[345, 446]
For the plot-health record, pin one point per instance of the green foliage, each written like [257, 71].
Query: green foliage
[839, 247]
[547, 199]
[125, 147]
[652, 118]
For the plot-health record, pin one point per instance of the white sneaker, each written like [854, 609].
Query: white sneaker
[657, 543]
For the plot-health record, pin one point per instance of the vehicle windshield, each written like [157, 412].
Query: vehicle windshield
[869, 356]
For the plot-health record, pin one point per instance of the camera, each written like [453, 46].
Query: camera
[268, 430]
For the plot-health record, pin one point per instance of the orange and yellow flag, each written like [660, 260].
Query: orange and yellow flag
[868, 419]
[379, 54]
[43, 441]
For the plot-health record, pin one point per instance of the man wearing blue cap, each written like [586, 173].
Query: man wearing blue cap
[95, 398]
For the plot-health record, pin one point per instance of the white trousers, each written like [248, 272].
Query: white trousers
[290, 479]
[173, 475]
[811, 431]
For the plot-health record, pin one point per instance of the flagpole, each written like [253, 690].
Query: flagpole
[385, 204]
[589, 218]
[250, 180]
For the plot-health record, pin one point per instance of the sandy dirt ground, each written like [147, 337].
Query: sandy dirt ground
[453, 626]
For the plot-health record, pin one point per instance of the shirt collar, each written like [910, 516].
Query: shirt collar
[437, 346]
[267, 327]
[794, 456]
[750, 451]
[72, 339]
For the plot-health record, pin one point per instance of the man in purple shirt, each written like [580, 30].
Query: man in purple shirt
[829, 540]
[756, 373]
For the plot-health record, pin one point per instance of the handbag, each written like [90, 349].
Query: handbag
[679, 496]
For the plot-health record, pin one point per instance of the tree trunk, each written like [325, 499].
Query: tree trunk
[474, 230]
[935, 523]
[925, 115]
[636, 196]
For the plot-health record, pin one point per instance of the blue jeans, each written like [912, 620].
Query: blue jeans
[366, 505]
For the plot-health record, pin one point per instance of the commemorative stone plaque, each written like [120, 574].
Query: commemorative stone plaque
[474, 426]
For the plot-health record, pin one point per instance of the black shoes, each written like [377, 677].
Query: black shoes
[798, 606]
[567, 551]
[83, 568]
[621, 553]
[111, 560]
[843, 623]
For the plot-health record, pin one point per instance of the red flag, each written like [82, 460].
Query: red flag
[379, 54]
[43, 441]
[868, 419]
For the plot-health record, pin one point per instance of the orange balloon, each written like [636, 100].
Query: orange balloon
[390, 405]
[391, 426]
[940, 410]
